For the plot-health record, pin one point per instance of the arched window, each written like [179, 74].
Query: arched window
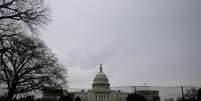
[78, 99]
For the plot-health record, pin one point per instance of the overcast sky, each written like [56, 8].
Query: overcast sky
[157, 42]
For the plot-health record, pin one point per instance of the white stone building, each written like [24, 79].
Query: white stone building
[100, 90]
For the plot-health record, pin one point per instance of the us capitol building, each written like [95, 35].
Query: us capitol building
[100, 90]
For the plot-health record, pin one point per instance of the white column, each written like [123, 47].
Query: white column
[98, 97]
[105, 96]
[101, 96]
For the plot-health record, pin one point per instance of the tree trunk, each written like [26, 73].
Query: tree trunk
[10, 95]
[11, 92]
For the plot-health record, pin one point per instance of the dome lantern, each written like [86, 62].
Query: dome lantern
[101, 68]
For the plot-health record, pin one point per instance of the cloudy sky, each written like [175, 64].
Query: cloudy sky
[157, 42]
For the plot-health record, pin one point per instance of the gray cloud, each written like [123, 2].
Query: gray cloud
[153, 41]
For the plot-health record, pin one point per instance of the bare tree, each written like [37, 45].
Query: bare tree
[32, 13]
[26, 64]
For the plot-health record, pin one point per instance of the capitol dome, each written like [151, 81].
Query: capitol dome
[101, 82]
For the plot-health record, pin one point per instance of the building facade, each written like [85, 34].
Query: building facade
[101, 90]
